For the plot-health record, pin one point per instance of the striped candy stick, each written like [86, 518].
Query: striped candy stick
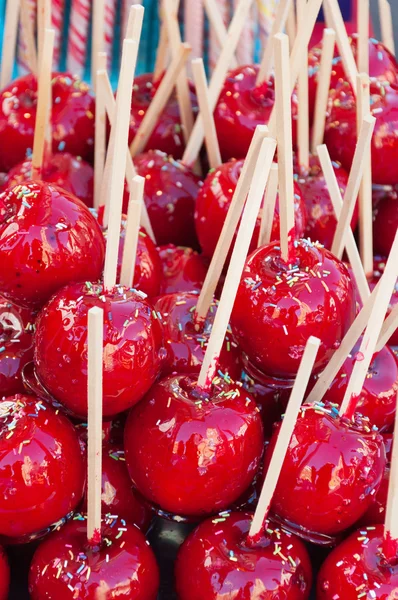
[214, 47]
[78, 36]
[109, 29]
[245, 50]
[57, 20]
[194, 26]
[266, 13]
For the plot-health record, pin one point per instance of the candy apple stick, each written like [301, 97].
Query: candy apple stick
[343, 43]
[217, 24]
[387, 29]
[9, 41]
[132, 230]
[217, 81]
[363, 36]
[390, 325]
[322, 94]
[365, 192]
[230, 225]
[100, 130]
[391, 522]
[337, 201]
[277, 27]
[162, 52]
[97, 36]
[27, 30]
[43, 104]
[291, 25]
[43, 22]
[285, 147]
[121, 127]
[284, 437]
[241, 248]
[267, 214]
[211, 140]
[354, 182]
[372, 332]
[160, 100]
[303, 124]
[94, 392]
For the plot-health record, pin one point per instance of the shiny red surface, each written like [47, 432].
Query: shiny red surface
[376, 513]
[241, 107]
[16, 343]
[65, 567]
[167, 135]
[193, 454]
[132, 347]
[331, 471]
[277, 309]
[378, 269]
[186, 341]
[4, 575]
[215, 562]
[358, 561]
[184, 270]
[385, 223]
[72, 118]
[62, 169]
[214, 200]
[341, 136]
[48, 238]
[170, 196]
[42, 470]
[378, 397]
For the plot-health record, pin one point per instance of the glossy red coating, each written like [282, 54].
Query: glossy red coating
[376, 513]
[279, 306]
[190, 453]
[332, 470]
[341, 131]
[66, 567]
[72, 117]
[241, 107]
[358, 561]
[215, 562]
[170, 196]
[48, 238]
[167, 135]
[385, 223]
[186, 341]
[184, 270]
[4, 575]
[378, 397]
[16, 345]
[214, 200]
[132, 347]
[69, 172]
[42, 470]
[379, 264]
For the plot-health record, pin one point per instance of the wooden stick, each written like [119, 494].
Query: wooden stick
[343, 43]
[323, 87]
[132, 230]
[230, 225]
[291, 25]
[211, 140]
[95, 332]
[303, 123]
[162, 52]
[134, 22]
[217, 24]
[241, 248]
[97, 36]
[354, 182]
[278, 25]
[43, 104]
[365, 192]
[284, 436]
[9, 41]
[159, 101]
[372, 332]
[43, 22]
[27, 30]
[390, 326]
[363, 36]
[121, 126]
[337, 201]
[391, 522]
[267, 214]
[387, 29]
[217, 81]
[285, 146]
[100, 130]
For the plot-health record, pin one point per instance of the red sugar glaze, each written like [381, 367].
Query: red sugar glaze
[190, 453]
[41, 465]
[274, 314]
[378, 269]
[72, 117]
[132, 347]
[385, 222]
[126, 568]
[215, 562]
[376, 513]
[184, 270]
[48, 238]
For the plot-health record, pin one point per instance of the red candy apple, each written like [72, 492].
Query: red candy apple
[279, 306]
[376, 513]
[191, 453]
[72, 118]
[66, 567]
[184, 270]
[378, 269]
[385, 223]
[241, 107]
[48, 238]
[132, 347]
[214, 200]
[215, 562]
[41, 466]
